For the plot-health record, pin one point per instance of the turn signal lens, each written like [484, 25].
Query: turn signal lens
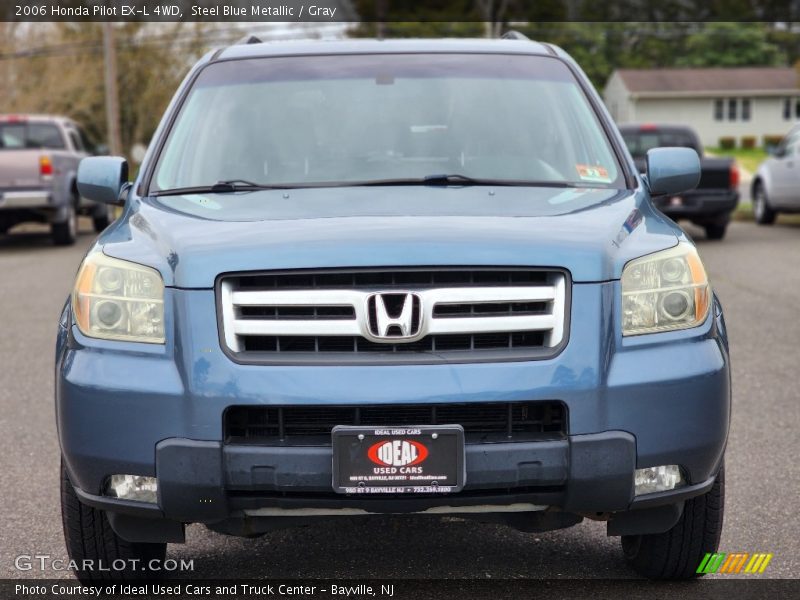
[45, 167]
[664, 291]
[118, 300]
[734, 177]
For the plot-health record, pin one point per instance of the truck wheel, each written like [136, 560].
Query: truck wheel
[89, 537]
[66, 232]
[762, 212]
[101, 220]
[715, 231]
[676, 554]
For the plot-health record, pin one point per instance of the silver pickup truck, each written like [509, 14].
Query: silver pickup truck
[39, 158]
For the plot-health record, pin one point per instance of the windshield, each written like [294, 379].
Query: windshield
[355, 119]
[22, 135]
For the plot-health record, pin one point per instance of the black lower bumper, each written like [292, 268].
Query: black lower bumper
[700, 206]
[208, 482]
[204, 481]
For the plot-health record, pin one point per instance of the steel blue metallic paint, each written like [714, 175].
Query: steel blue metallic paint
[101, 178]
[352, 227]
[667, 394]
[672, 170]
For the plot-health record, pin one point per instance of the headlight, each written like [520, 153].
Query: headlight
[664, 291]
[118, 300]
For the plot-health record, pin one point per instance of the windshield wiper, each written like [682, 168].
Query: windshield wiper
[241, 185]
[226, 186]
[454, 179]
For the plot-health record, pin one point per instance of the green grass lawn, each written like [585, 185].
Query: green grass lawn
[744, 212]
[747, 159]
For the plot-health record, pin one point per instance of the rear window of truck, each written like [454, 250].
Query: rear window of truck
[30, 136]
[639, 142]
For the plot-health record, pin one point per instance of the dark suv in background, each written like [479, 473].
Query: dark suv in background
[711, 203]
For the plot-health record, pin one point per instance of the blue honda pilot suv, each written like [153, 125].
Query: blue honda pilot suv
[368, 277]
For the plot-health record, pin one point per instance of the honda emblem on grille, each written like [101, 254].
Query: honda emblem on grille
[394, 316]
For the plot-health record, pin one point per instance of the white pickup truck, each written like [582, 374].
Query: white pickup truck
[39, 158]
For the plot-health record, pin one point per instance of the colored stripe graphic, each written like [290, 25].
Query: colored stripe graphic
[720, 562]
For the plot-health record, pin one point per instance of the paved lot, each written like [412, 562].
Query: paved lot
[756, 272]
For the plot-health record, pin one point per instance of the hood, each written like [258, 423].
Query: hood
[192, 239]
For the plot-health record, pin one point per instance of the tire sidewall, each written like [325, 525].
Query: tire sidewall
[758, 204]
[72, 221]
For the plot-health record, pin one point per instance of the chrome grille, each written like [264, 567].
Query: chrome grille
[416, 314]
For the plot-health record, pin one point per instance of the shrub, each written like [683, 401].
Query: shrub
[727, 143]
[748, 142]
[772, 141]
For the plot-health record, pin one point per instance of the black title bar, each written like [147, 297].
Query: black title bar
[393, 11]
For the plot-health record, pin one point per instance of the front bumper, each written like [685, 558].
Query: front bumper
[632, 403]
[211, 483]
[586, 473]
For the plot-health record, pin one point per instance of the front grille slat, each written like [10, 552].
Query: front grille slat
[460, 314]
[395, 278]
[312, 425]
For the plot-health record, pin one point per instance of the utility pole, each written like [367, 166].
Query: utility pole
[10, 83]
[380, 18]
[112, 91]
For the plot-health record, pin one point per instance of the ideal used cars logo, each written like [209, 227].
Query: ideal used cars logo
[397, 453]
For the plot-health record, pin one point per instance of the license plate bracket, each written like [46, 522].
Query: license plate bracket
[417, 459]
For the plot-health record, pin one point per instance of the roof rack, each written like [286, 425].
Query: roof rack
[512, 34]
[249, 39]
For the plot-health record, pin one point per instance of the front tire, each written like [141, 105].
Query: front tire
[716, 231]
[101, 221]
[676, 554]
[89, 537]
[762, 212]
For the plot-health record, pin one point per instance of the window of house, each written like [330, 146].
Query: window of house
[797, 108]
[719, 109]
[787, 109]
[732, 109]
[746, 109]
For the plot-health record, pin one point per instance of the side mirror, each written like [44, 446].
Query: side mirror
[103, 179]
[672, 170]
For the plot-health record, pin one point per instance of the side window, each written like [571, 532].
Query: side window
[746, 109]
[719, 109]
[76, 141]
[793, 147]
[88, 145]
[788, 146]
[732, 106]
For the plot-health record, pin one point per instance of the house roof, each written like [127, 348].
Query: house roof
[682, 81]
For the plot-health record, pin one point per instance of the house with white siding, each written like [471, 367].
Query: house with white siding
[717, 102]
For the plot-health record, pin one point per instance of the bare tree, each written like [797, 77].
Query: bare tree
[493, 13]
[58, 68]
